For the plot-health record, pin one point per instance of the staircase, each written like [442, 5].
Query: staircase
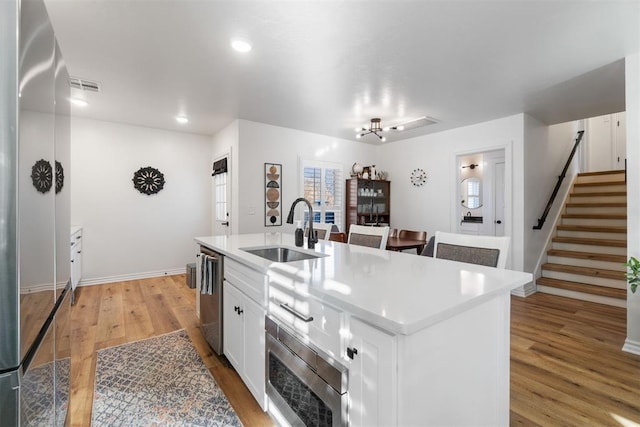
[589, 248]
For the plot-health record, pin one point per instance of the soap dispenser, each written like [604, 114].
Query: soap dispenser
[299, 235]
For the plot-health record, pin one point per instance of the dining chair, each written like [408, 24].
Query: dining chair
[323, 230]
[393, 232]
[491, 251]
[364, 235]
[338, 237]
[413, 235]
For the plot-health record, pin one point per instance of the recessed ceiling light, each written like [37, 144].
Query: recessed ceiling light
[240, 45]
[79, 102]
[182, 120]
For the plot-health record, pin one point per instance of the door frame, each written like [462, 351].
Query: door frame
[217, 229]
[455, 210]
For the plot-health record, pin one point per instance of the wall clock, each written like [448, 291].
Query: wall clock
[418, 177]
[148, 180]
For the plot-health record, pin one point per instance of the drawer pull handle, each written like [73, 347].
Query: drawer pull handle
[295, 313]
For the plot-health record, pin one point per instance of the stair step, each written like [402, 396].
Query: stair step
[599, 173]
[607, 186]
[593, 228]
[583, 288]
[595, 208]
[588, 255]
[606, 176]
[599, 183]
[591, 242]
[599, 204]
[585, 271]
[600, 194]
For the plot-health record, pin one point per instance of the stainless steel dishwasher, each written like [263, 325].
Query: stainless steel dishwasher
[209, 282]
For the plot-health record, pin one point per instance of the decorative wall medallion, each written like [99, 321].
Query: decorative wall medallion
[42, 175]
[418, 177]
[59, 177]
[148, 180]
[273, 194]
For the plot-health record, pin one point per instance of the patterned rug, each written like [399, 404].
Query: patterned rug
[160, 381]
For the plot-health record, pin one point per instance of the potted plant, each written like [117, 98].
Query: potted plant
[633, 274]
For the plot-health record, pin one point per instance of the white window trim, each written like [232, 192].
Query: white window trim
[302, 163]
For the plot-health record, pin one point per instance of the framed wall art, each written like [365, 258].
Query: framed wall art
[148, 180]
[273, 194]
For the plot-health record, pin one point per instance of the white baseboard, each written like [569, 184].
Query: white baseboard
[525, 290]
[631, 346]
[134, 276]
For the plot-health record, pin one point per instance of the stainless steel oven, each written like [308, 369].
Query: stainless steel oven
[307, 387]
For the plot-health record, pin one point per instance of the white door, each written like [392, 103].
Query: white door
[499, 199]
[620, 144]
[221, 188]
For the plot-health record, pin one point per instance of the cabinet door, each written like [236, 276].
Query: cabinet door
[372, 378]
[233, 328]
[254, 355]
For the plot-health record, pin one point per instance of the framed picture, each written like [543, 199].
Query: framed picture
[367, 170]
[273, 194]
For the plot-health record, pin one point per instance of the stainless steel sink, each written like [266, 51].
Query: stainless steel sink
[282, 254]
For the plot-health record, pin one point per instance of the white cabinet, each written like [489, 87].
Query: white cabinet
[244, 342]
[76, 258]
[372, 378]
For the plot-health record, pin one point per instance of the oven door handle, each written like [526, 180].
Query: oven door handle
[302, 317]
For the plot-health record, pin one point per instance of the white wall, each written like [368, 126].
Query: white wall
[546, 151]
[433, 206]
[632, 93]
[260, 143]
[127, 234]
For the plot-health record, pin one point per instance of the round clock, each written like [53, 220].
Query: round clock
[418, 177]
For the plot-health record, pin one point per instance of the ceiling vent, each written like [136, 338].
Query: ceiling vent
[84, 84]
[417, 123]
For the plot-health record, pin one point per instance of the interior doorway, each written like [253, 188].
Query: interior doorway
[481, 193]
[221, 197]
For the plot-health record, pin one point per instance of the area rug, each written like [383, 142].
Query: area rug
[160, 381]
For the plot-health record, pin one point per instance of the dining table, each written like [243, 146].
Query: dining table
[400, 244]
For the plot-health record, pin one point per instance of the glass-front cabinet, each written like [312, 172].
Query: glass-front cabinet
[368, 202]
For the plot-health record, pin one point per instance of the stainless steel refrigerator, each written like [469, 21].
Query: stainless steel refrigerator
[34, 219]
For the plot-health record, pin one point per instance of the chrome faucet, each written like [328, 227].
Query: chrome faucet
[313, 238]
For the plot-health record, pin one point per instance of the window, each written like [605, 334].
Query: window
[322, 187]
[220, 189]
[473, 193]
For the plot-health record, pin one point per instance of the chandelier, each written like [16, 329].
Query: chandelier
[375, 127]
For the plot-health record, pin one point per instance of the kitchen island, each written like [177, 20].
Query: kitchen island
[431, 336]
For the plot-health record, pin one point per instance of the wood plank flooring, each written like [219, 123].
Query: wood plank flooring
[118, 313]
[567, 368]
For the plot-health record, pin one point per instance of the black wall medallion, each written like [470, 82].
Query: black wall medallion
[59, 177]
[148, 180]
[42, 175]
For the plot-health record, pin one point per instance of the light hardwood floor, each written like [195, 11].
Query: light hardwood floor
[566, 364]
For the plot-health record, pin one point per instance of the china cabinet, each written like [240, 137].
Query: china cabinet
[368, 202]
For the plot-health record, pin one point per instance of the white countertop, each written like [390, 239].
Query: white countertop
[398, 292]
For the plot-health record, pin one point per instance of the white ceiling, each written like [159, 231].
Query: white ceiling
[329, 66]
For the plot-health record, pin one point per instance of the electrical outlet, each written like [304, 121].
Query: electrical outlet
[251, 210]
